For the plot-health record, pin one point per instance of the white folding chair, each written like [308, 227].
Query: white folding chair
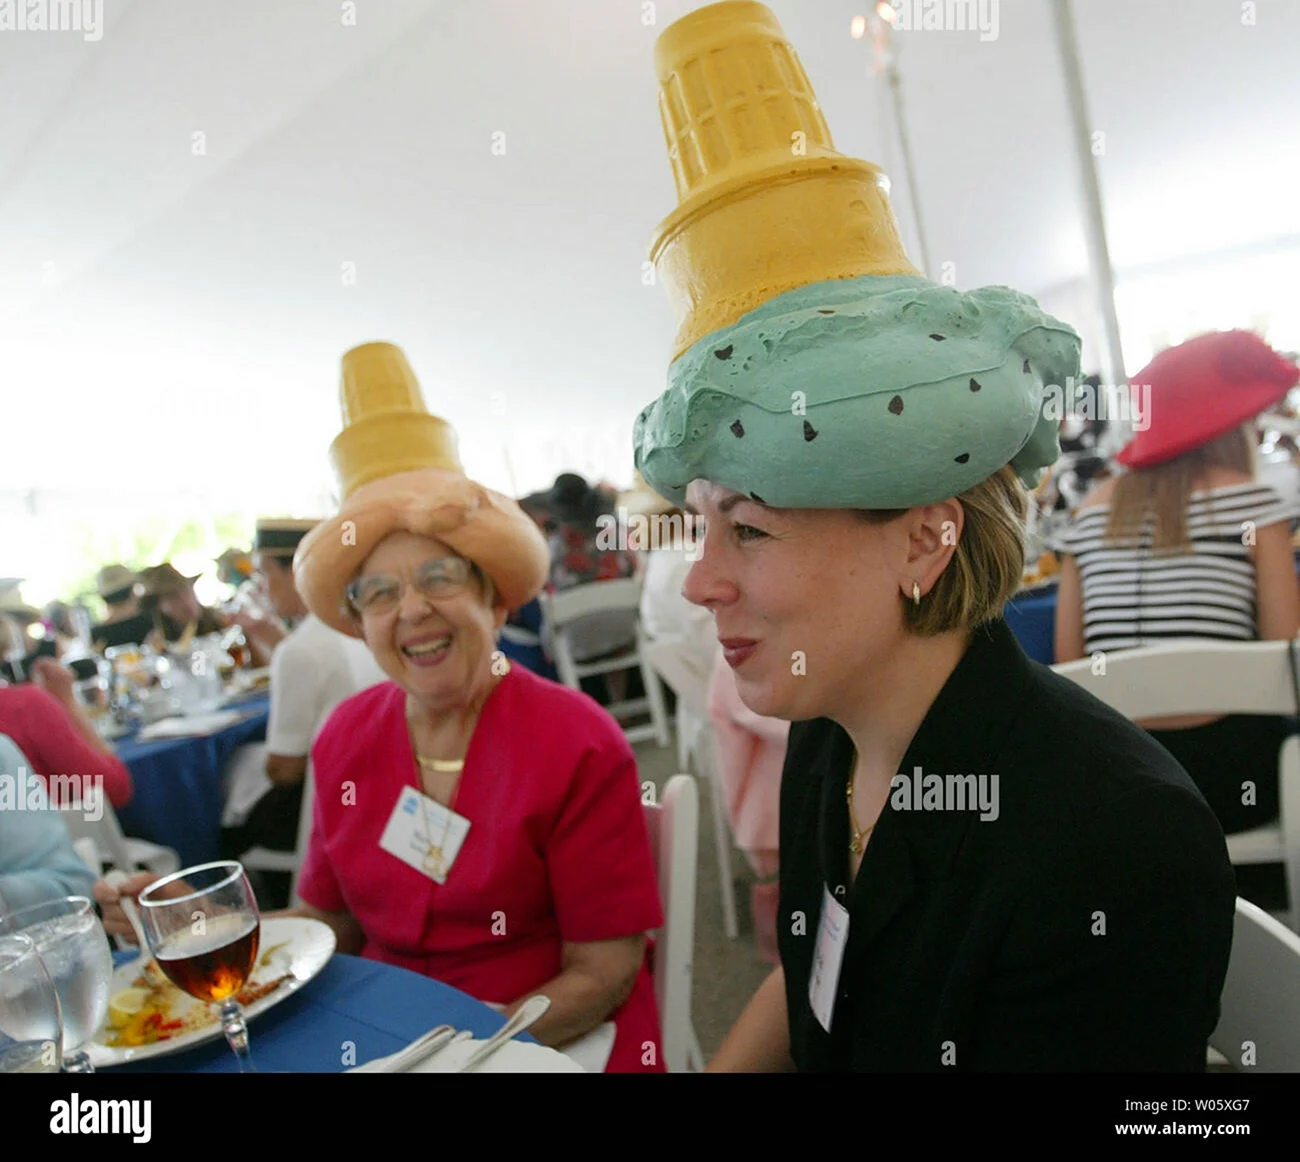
[265, 860]
[674, 825]
[1259, 1022]
[674, 838]
[112, 845]
[88, 852]
[683, 672]
[1207, 677]
[561, 614]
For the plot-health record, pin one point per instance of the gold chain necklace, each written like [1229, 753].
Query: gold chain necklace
[859, 837]
[441, 766]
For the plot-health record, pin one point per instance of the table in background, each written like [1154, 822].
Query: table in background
[1031, 616]
[375, 1008]
[178, 799]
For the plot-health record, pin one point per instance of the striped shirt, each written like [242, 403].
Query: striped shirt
[1132, 597]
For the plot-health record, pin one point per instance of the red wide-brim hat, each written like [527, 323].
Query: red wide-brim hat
[1202, 389]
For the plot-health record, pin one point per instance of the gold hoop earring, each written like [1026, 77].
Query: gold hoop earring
[916, 593]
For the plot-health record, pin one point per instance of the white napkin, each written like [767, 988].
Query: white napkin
[512, 1057]
[195, 724]
[592, 1050]
[244, 782]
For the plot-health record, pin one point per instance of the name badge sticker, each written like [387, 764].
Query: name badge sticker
[832, 938]
[424, 834]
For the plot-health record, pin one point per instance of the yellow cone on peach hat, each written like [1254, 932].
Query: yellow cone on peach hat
[399, 470]
[766, 203]
[386, 426]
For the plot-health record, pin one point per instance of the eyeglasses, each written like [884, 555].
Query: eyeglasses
[435, 580]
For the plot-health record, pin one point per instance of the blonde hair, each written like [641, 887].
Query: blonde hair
[987, 566]
[1163, 490]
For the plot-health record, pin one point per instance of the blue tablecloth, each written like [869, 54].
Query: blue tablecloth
[177, 799]
[1032, 618]
[354, 1011]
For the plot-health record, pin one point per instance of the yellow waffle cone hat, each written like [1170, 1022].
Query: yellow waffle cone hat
[814, 366]
[765, 202]
[398, 469]
[386, 427]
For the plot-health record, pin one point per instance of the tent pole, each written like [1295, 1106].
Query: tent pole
[1103, 276]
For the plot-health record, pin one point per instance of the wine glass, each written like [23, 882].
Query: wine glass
[31, 1021]
[203, 927]
[71, 941]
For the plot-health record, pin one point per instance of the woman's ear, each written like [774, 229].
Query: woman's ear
[933, 533]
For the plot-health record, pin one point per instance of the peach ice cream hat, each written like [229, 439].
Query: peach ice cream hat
[814, 366]
[399, 469]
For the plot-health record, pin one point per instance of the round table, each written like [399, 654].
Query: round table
[178, 799]
[354, 1011]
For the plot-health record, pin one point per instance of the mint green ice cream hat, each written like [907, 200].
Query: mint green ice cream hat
[872, 392]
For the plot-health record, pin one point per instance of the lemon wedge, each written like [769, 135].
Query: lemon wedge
[125, 1005]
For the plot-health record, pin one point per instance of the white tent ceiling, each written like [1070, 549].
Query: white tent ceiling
[171, 309]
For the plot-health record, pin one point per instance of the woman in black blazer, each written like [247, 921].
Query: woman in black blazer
[982, 867]
[1028, 881]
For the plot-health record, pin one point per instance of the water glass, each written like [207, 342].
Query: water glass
[71, 941]
[31, 1022]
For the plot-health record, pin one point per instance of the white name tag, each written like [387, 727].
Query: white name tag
[832, 936]
[424, 834]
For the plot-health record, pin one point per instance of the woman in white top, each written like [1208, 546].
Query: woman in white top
[1189, 544]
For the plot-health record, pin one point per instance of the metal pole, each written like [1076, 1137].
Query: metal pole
[881, 25]
[896, 87]
[510, 469]
[1103, 276]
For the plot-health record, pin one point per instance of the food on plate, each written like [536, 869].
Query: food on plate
[125, 1005]
[270, 952]
[1048, 565]
[153, 1009]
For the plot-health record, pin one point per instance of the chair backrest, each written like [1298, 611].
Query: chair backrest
[1213, 678]
[1259, 1023]
[288, 862]
[569, 605]
[304, 831]
[680, 665]
[1202, 677]
[92, 817]
[88, 852]
[589, 619]
[674, 826]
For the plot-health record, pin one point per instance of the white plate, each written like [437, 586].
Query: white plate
[308, 946]
[513, 1057]
[246, 682]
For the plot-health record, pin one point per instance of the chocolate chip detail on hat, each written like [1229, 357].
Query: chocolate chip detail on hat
[962, 458]
[939, 338]
[974, 384]
[809, 432]
[896, 405]
[725, 352]
[738, 430]
[825, 311]
[758, 498]
[1025, 367]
